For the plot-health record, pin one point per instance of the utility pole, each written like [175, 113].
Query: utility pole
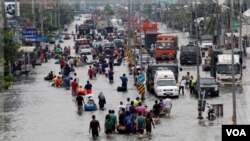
[140, 1]
[240, 38]
[172, 15]
[41, 8]
[140, 33]
[55, 10]
[16, 11]
[191, 14]
[129, 26]
[33, 13]
[198, 66]
[234, 117]
[58, 13]
[217, 24]
[17, 28]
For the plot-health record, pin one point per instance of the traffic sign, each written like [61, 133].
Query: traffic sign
[41, 38]
[141, 88]
[235, 24]
[30, 33]
[141, 78]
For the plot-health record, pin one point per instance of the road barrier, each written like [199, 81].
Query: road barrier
[141, 88]
[218, 109]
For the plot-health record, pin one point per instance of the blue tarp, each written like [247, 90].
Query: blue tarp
[58, 37]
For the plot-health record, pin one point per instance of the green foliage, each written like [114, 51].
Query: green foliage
[108, 11]
[211, 25]
[9, 78]
[65, 11]
[67, 15]
[6, 82]
[10, 47]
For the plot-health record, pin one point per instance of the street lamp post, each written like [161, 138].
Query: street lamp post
[234, 117]
[240, 43]
[129, 28]
[58, 14]
[200, 102]
[33, 13]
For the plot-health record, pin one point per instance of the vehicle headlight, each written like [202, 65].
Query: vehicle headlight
[176, 90]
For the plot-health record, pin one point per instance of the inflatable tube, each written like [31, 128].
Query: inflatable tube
[57, 62]
[90, 107]
[121, 89]
[121, 129]
[117, 64]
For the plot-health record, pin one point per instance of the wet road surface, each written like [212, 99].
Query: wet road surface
[35, 111]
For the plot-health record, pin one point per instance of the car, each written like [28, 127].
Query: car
[109, 48]
[77, 18]
[165, 84]
[119, 43]
[151, 71]
[97, 43]
[87, 52]
[188, 55]
[209, 86]
[206, 41]
[145, 59]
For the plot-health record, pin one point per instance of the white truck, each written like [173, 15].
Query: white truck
[206, 41]
[165, 84]
[224, 69]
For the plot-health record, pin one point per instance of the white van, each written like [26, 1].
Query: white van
[165, 84]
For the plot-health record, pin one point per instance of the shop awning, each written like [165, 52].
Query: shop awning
[27, 49]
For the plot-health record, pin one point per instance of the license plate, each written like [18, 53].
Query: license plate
[168, 94]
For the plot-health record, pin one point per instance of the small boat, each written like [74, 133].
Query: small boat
[90, 105]
[57, 62]
[66, 37]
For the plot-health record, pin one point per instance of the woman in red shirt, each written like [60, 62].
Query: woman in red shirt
[90, 72]
[74, 86]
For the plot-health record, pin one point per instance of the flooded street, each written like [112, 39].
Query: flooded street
[35, 111]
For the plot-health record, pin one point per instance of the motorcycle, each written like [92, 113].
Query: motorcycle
[210, 113]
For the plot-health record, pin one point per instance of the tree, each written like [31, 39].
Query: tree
[108, 11]
[10, 47]
[67, 14]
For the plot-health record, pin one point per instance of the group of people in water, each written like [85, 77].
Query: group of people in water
[133, 117]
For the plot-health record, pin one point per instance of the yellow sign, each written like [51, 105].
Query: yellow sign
[141, 88]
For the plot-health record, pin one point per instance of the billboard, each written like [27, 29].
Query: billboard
[11, 9]
[30, 34]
